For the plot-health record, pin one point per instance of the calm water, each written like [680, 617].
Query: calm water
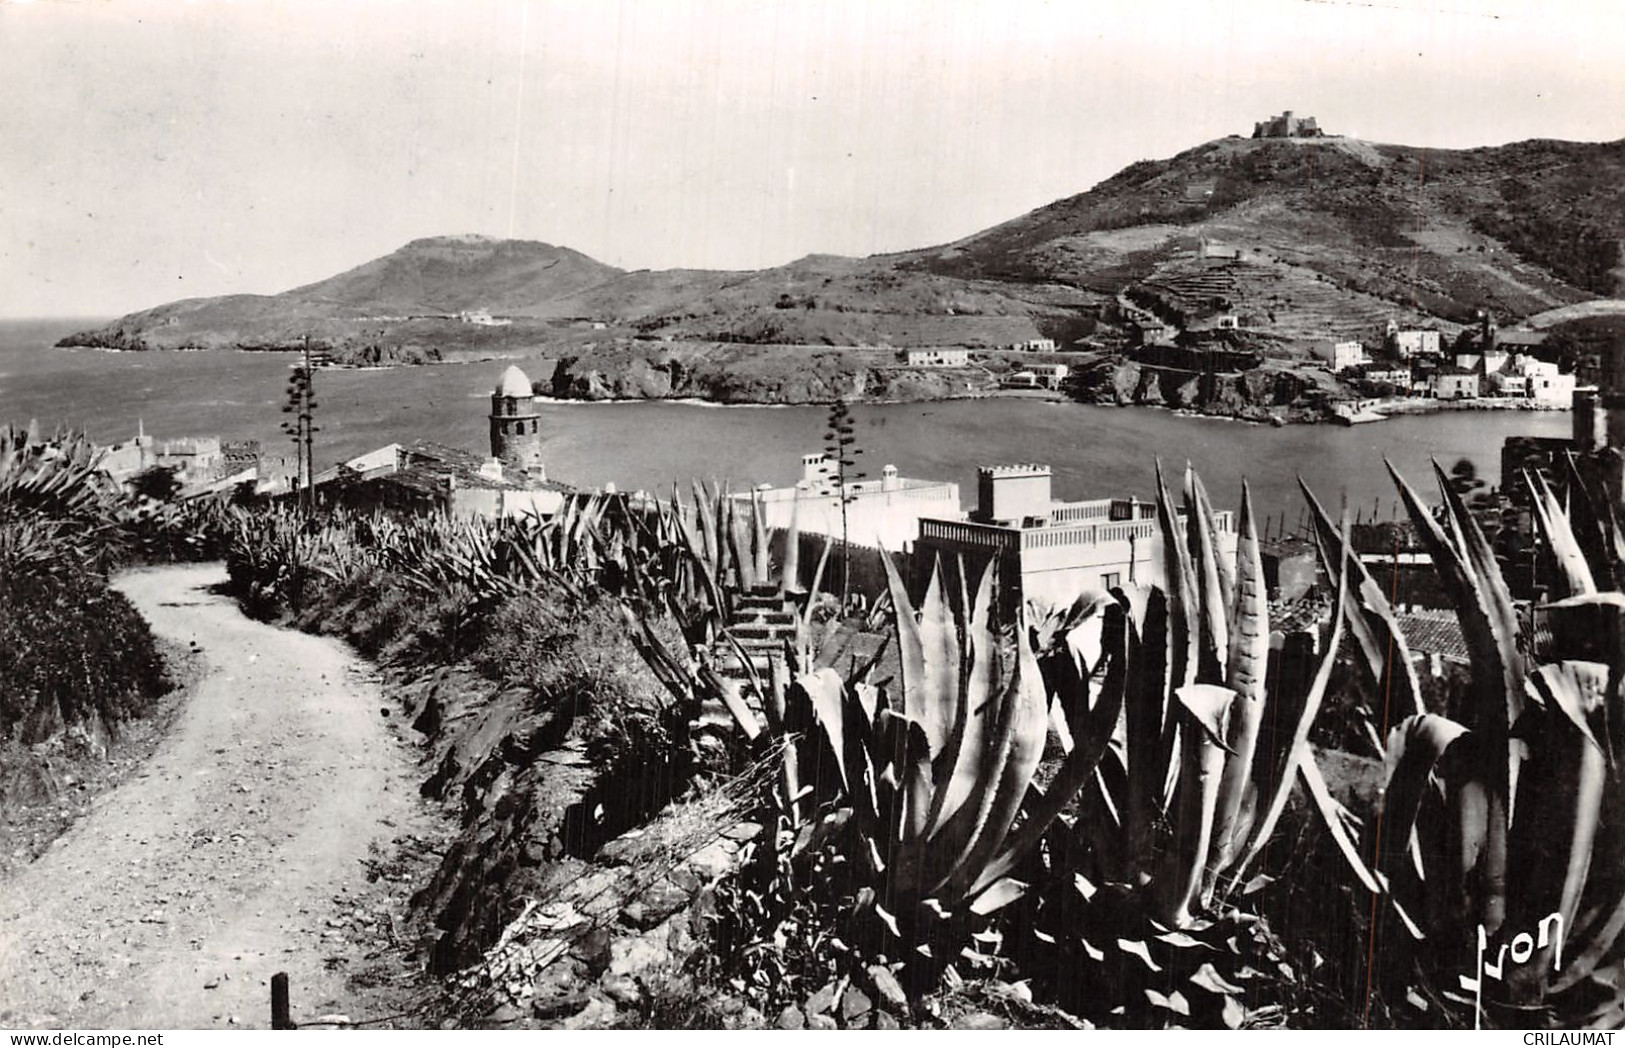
[1095, 451]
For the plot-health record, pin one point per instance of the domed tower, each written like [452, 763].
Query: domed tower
[516, 438]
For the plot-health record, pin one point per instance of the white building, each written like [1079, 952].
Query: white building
[483, 318]
[1413, 342]
[1039, 376]
[194, 459]
[1388, 374]
[940, 358]
[1053, 550]
[1035, 345]
[1542, 382]
[1344, 354]
[884, 512]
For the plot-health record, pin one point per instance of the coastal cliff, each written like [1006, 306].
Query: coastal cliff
[746, 374]
[1255, 395]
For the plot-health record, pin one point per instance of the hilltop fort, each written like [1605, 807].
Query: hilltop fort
[1288, 125]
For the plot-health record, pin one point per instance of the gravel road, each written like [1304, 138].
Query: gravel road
[237, 852]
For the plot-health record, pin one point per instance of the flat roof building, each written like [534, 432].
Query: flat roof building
[881, 512]
[1047, 550]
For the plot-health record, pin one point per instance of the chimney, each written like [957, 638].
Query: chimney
[888, 478]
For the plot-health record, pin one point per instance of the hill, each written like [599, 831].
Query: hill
[1302, 239]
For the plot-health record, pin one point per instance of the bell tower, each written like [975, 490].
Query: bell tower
[516, 439]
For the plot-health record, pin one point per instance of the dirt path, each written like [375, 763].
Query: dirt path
[239, 851]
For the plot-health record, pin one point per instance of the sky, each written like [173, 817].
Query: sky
[152, 150]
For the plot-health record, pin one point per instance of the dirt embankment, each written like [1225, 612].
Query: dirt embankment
[244, 847]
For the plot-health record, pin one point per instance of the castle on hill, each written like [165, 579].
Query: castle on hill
[1288, 125]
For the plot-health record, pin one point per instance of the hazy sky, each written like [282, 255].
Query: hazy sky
[158, 150]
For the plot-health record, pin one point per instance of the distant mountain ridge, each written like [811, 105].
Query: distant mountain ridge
[1301, 238]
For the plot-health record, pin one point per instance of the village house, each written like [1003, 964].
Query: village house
[1039, 376]
[1343, 354]
[1408, 343]
[428, 478]
[483, 318]
[425, 477]
[194, 460]
[1034, 345]
[1546, 386]
[1047, 550]
[940, 358]
[1454, 384]
[1387, 374]
[1538, 380]
[1149, 331]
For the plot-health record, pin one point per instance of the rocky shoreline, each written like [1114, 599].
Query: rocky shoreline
[751, 375]
[1258, 395]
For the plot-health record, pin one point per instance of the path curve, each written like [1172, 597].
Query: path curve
[175, 900]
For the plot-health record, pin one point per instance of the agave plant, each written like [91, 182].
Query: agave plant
[57, 508]
[1180, 754]
[1501, 836]
[1169, 834]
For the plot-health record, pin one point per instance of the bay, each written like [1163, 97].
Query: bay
[1094, 451]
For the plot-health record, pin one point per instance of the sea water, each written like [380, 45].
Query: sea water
[1094, 451]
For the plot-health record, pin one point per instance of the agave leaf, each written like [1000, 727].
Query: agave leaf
[1576, 689]
[729, 692]
[933, 697]
[1227, 580]
[790, 572]
[1204, 710]
[761, 565]
[907, 755]
[1560, 538]
[961, 759]
[1490, 627]
[996, 896]
[1081, 764]
[1212, 596]
[1145, 690]
[910, 648]
[824, 693]
[1249, 659]
[1387, 656]
[1610, 599]
[1595, 945]
[804, 620]
[1332, 814]
[1298, 748]
[1179, 584]
[1017, 752]
[1595, 529]
[1414, 748]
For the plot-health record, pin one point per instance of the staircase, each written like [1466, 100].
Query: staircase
[763, 620]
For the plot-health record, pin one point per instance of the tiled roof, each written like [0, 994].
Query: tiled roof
[1433, 634]
[1293, 616]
